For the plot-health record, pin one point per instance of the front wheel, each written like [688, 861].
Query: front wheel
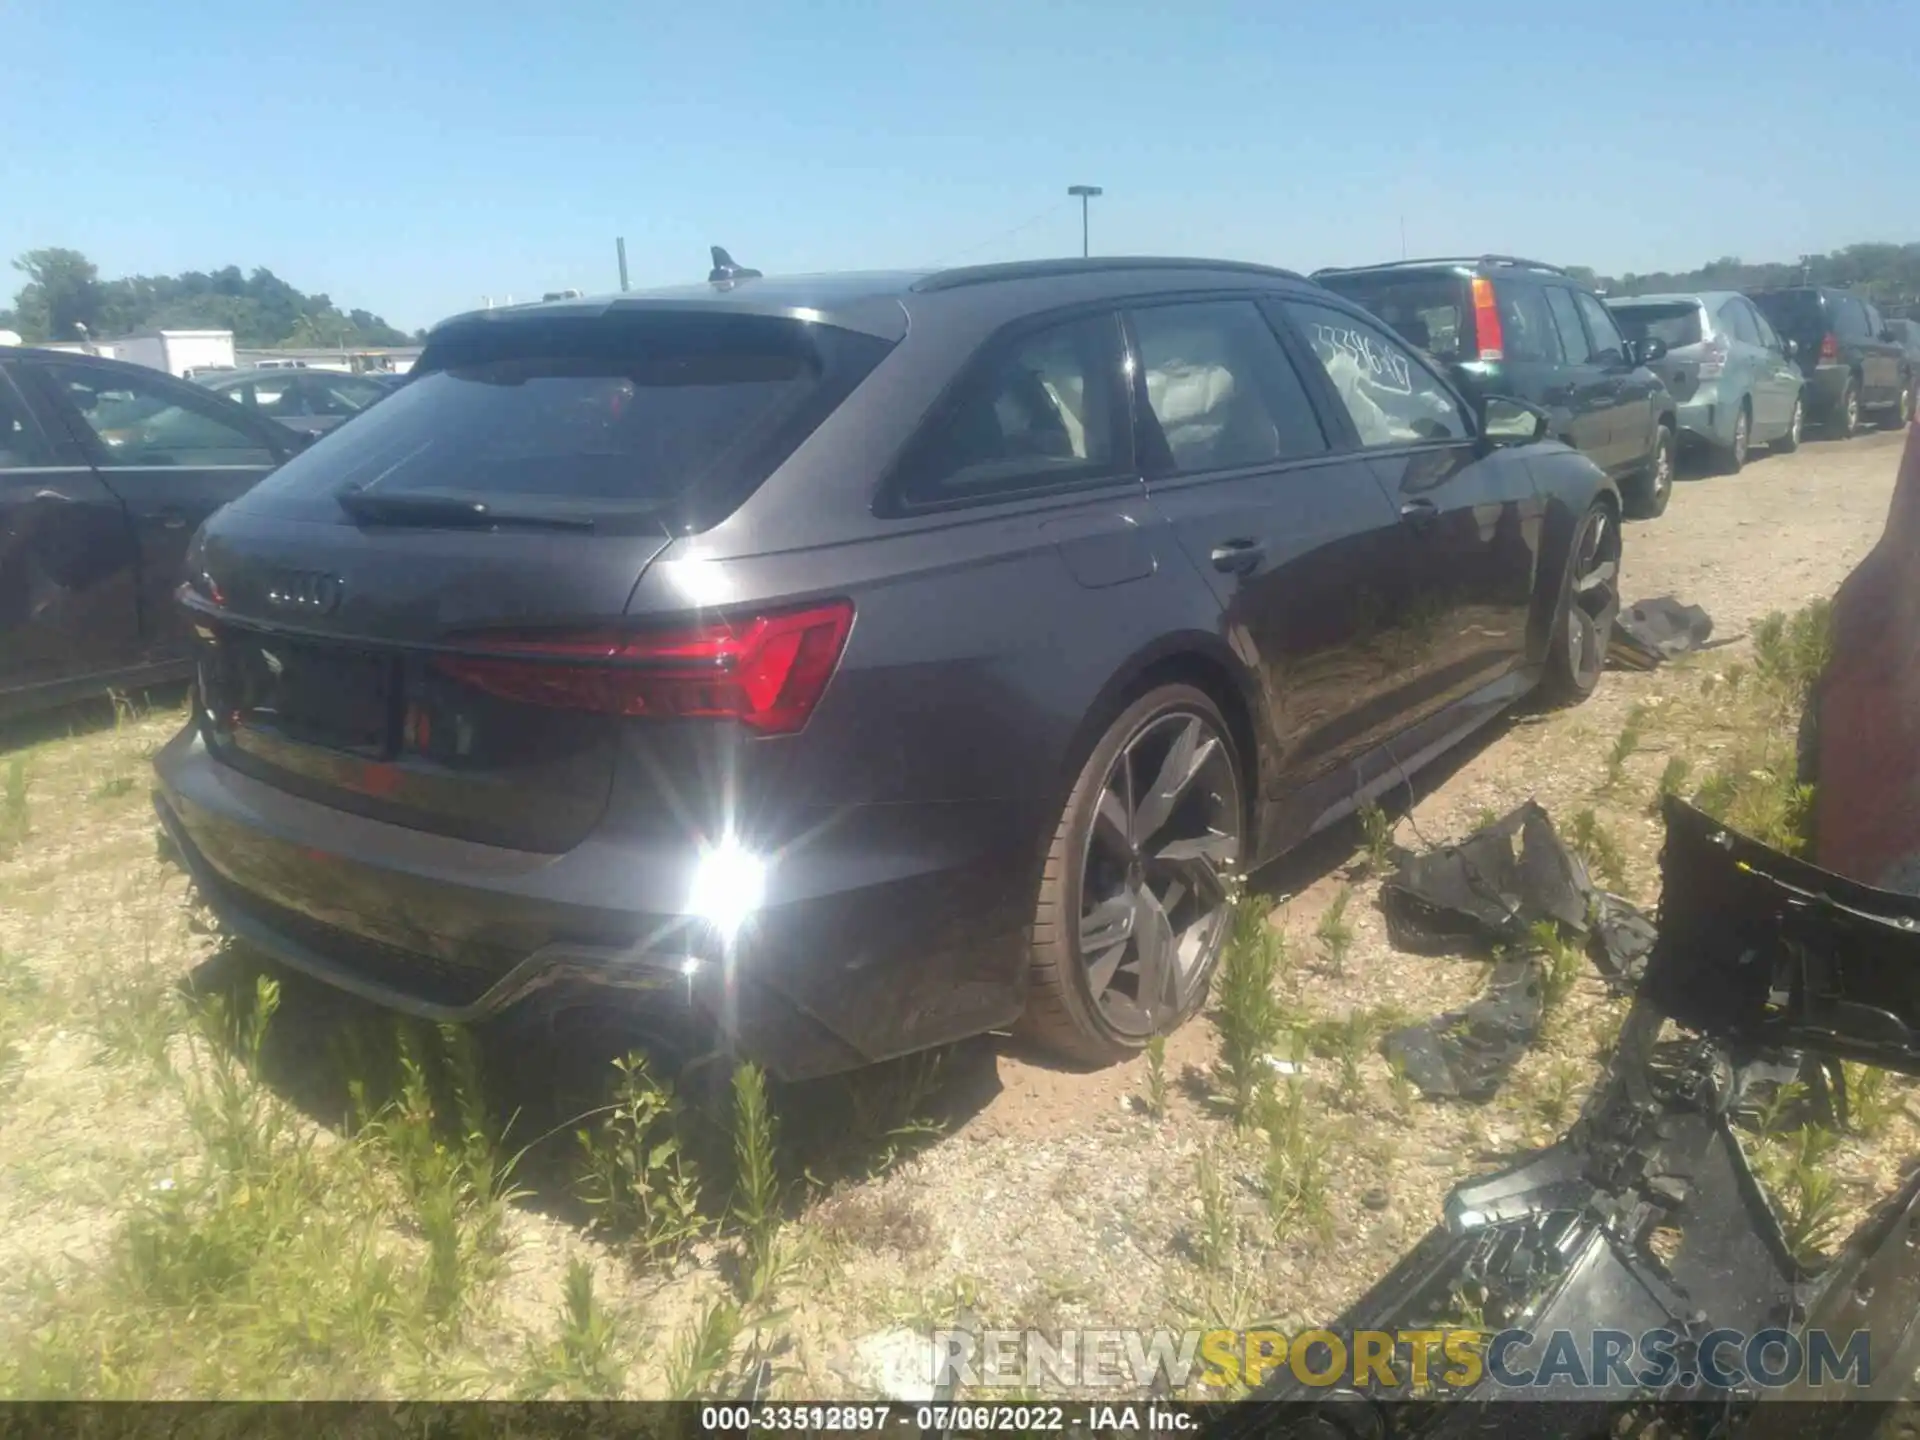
[1652, 488]
[1790, 442]
[1903, 410]
[1134, 905]
[1589, 601]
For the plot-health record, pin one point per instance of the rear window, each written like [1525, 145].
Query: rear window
[1672, 324]
[1432, 311]
[637, 412]
[1792, 312]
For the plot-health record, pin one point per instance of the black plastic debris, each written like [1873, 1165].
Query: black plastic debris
[1488, 892]
[1655, 631]
[1466, 1054]
[1490, 889]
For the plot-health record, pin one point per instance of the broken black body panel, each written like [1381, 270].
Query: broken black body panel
[1760, 949]
[1757, 953]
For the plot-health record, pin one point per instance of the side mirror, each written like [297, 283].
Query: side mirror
[1507, 421]
[1792, 348]
[1649, 350]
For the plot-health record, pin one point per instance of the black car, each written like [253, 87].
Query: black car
[1906, 334]
[310, 400]
[1506, 326]
[1855, 365]
[106, 471]
[859, 663]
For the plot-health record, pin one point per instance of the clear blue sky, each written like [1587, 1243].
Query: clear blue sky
[412, 156]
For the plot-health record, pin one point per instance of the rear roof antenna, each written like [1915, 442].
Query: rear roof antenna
[725, 272]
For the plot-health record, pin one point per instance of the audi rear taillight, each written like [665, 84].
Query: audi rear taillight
[766, 671]
[1713, 358]
[1829, 347]
[1486, 320]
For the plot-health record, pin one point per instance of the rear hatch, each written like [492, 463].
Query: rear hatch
[422, 618]
[1799, 315]
[1693, 352]
[1433, 309]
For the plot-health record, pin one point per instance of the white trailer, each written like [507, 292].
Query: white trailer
[178, 352]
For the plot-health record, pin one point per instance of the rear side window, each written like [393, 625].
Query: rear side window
[1850, 318]
[1042, 412]
[1793, 312]
[1433, 311]
[1391, 397]
[1566, 323]
[632, 411]
[1222, 392]
[1737, 322]
[1526, 325]
[1672, 324]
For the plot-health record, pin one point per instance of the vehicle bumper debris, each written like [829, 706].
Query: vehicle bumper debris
[1491, 891]
[1653, 632]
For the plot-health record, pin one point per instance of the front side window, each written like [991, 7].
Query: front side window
[1609, 348]
[337, 395]
[1222, 392]
[1566, 323]
[1041, 413]
[1391, 397]
[149, 423]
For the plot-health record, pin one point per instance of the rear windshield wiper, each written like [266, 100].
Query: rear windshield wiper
[456, 511]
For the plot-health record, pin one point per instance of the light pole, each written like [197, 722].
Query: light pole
[1086, 193]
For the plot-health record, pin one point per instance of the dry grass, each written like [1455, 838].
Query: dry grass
[180, 1216]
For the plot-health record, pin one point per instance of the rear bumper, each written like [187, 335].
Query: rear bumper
[1823, 390]
[893, 929]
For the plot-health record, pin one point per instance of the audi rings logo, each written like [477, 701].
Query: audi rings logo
[313, 592]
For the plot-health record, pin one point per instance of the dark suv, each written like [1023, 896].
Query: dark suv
[860, 661]
[1516, 327]
[1855, 365]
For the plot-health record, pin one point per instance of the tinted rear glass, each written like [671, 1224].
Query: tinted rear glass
[1792, 312]
[1433, 311]
[1673, 325]
[642, 411]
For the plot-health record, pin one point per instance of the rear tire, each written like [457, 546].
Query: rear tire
[1732, 459]
[1583, 618]
[1790, 442]
[1098, 995]
[1652, 488]
[1846, 419]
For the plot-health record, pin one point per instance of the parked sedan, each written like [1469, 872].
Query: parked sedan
[849, 665]
[1732, 374]
[106, 470]
[308, 400]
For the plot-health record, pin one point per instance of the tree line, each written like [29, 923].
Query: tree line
[64, 293]
[1889, 274]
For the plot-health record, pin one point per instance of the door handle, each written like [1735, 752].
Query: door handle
[172, 520]
[1419, 513]
[1238, 557]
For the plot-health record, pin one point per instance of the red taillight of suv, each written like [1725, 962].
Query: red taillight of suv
[1486, 320]
[1713, 358]
[766, 671]
[1829, 347]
